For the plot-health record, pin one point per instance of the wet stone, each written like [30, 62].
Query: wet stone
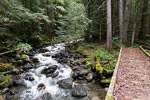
[28, 66]
[66, 83]
[41, 87]
[84, 72]
[35, 60]
[5, 90]
[79, 91]
[53, 75]
[49, 70]
[89, 77]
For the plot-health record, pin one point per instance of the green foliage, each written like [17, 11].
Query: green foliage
[91, 46]
[6, 67]
[116, 42]
[74, 22]
[4, 80]
[107, 59]
[24, 47]
[135, 45]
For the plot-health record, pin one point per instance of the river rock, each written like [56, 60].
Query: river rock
[25, 58]
[66, 83]
[43, 50]
[29, 77]
[89, 77]
[9, 97]
[84, 72]
[18, 82]
[5, 90]
[41, 87]
[53, 75]
[46, 96]
[79, 91]
[75, 74]
[49, 70]
[35, 60]
[28, 66]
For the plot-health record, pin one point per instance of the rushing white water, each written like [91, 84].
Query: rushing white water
[52, 87]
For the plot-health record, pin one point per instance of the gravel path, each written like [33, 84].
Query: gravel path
[133, 77]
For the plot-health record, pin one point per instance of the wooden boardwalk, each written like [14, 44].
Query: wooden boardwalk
[131, 79]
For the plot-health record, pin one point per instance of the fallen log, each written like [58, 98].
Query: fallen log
[11, 51]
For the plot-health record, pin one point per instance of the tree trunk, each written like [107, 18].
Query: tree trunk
[109, 26]
[143, 19]
[126, 20]
[133, 34]
[121, 20]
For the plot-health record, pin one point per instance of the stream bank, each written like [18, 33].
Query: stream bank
[60, 71]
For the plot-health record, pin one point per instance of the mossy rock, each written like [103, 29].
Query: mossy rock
[4, 81]
[24, 56]
[106, 81]
[20, 62]
[6, 67]
[99, 68]
[107, 72]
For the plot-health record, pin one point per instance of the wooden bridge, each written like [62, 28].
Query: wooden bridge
[131, 78]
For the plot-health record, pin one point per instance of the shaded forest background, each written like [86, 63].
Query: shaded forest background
[34, 23]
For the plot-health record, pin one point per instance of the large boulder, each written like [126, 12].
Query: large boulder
[66, 83]
[49, 70]
[79, 91]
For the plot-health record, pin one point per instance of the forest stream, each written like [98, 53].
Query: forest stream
[52, 78]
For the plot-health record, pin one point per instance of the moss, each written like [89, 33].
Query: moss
[4, 81]
[99, 68]
[88, 64]
[24, 56]
[106, 81]
[20, 61]
[107, 72]
[46, 42]
[6, 67]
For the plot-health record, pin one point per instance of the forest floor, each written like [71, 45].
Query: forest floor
[133, 78]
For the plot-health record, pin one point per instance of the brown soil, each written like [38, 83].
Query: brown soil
[133, 77]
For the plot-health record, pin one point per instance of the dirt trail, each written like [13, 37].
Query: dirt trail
[133, 77]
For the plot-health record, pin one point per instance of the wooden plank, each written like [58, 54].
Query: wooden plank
[144, 51]
[109, 95]
[1, 97]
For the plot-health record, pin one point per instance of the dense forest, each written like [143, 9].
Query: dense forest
[104, 26]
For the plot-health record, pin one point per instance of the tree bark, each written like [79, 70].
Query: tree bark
[121, 20]
[126, 20]
[109, 26]
[143, 19]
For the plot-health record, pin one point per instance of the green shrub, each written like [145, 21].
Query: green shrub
[91, 46]
[24, 47]
[116, 42]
